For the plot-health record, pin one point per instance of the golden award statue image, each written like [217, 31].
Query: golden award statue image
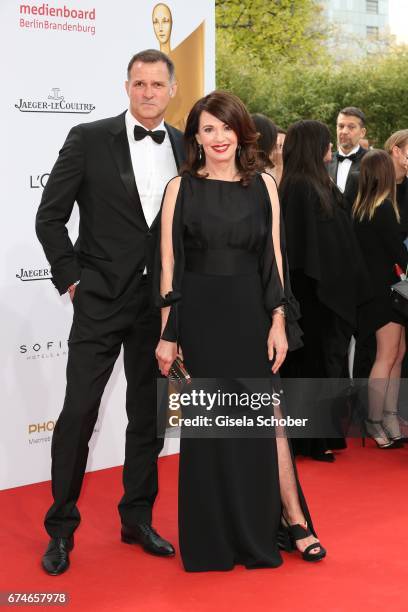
[188, 58]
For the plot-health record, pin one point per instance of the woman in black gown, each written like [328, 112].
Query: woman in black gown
[225, 301]
[326, 271]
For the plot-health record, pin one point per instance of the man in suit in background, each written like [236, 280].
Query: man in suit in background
[116, 170]
[345, 164]
[344, 169]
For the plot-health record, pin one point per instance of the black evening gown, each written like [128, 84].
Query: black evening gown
[329, 280]
[225, 285]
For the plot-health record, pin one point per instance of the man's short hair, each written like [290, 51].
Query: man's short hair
[151, 56]
[353, 111]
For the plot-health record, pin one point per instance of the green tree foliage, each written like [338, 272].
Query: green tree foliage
[288, 91]
[271, 28]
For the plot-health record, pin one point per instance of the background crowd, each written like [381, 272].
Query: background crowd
[345, 216]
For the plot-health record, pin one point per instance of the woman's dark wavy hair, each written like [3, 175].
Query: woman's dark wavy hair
[305, 146]
[268, 134]
[229, 109]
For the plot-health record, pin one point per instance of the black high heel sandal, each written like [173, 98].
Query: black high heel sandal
[289, 534]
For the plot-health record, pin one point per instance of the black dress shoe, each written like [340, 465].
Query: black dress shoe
[326, 457]
[149, 539]
[56, 558]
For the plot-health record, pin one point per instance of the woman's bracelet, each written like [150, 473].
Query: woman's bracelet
[73, 286]
[280, 310]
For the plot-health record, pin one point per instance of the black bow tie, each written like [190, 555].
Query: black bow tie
[140, 133]
[341, 157]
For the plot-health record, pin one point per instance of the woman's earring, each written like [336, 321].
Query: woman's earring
[200, 152]
[239, 150]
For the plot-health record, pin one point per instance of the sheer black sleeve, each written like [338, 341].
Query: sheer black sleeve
[274, 293]
[173, 297]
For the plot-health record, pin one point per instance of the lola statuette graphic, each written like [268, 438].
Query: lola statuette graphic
[188, 58]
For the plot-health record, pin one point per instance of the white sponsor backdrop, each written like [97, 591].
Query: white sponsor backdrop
[81, 68]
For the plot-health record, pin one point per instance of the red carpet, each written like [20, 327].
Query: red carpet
[359, 505]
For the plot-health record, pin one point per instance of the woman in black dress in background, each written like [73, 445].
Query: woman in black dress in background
[377, 225]
[326, 269]
[225, 299]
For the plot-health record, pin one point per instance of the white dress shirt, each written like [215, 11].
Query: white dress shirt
[153, 166]
[343, 169]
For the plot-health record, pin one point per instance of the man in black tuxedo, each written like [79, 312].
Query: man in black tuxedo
[345, 164]
[116, 170]
[344, 169]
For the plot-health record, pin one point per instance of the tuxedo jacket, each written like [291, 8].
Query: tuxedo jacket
[354, 168]
[114, 245]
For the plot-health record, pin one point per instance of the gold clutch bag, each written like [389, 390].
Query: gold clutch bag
[178, 374]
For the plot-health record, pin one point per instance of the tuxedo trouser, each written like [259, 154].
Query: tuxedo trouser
[94, 346]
